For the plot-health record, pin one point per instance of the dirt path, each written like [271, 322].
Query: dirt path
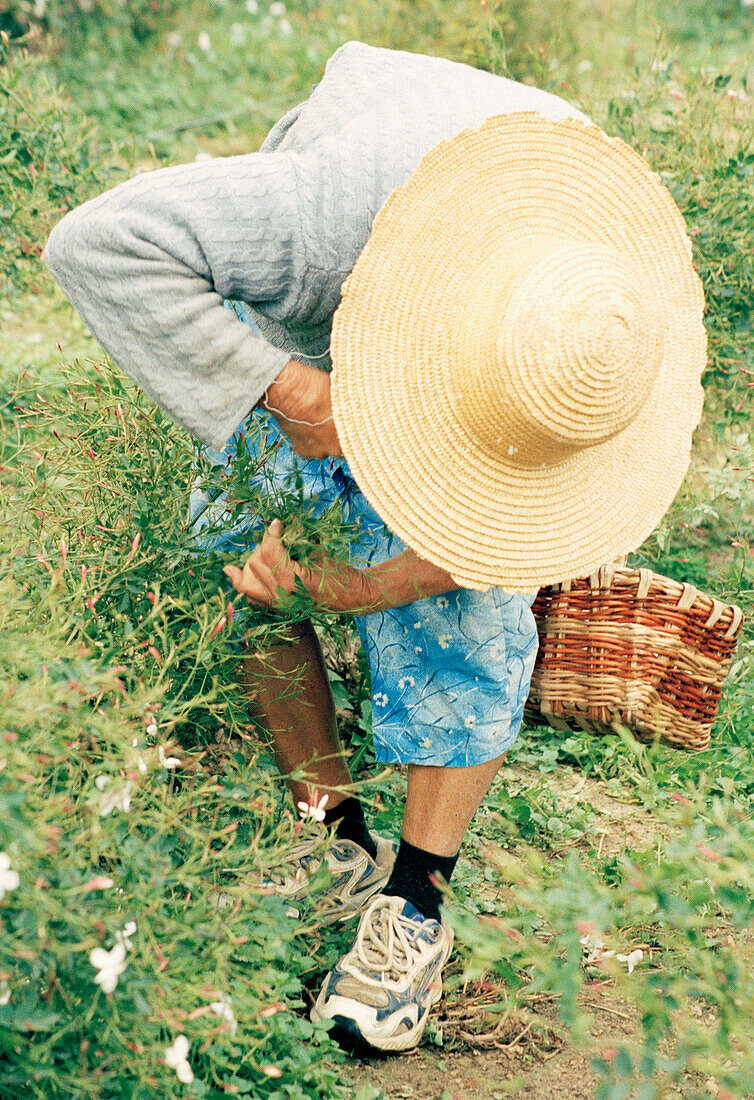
[531, 1058]
[538, 1066]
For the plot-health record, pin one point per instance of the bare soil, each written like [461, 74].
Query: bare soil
[528, 1054]
[536, 1064]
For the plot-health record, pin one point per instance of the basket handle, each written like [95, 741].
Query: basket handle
[603, 577]
[688, 595]
[717, 609]
[736, 621]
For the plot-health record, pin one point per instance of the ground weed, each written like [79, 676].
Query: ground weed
[107, 640]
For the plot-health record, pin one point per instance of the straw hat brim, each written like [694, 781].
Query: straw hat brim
[395, 336]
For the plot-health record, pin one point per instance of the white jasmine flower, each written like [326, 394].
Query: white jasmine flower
[272, 1071]
[277, 9]
[173, 40]
[117, 798]
[9, 880]
[632, 959]
[469, 721]
[285, 27]
[175, 1057]
[584, 66]
[141, 764]
[594, 948]
[4, 993]
[152, 728]
[168, 762]
[124, 936]
[203, 42]
[315, 808]
[109, 966]
[224, 1009]
[252, 7]
[406, 681]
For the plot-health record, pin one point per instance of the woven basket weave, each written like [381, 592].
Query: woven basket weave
[627, 649]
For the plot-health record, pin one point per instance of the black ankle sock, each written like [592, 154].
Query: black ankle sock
[349, 815]
[410, 878]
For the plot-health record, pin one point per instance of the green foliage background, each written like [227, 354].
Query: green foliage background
[114, 635]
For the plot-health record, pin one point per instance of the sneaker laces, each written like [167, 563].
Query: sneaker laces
[386, 942]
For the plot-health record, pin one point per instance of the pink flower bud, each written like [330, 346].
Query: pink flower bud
[222, 623]
[100, 882]
[134, 546]
[706, 851]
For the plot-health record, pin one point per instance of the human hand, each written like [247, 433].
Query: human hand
[299, 399]
[270, 574]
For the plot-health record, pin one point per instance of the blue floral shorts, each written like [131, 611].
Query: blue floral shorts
[450, 674]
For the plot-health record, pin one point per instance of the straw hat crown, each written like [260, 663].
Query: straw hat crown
[539, 357]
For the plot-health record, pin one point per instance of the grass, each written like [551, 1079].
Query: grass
[86, 699]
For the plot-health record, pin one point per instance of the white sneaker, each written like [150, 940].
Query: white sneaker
[380, 993]
[354, 876]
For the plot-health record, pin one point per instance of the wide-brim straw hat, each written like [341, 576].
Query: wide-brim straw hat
[518, 351]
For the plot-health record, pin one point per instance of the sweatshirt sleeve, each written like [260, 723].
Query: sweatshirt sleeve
[149, 263]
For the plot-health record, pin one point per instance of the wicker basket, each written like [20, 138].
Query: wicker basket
[627, 649]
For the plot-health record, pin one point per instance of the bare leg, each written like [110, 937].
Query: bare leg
[440, 803]
[291, 699]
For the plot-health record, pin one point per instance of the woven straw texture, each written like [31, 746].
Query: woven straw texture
[631, 650]
[518, 352]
